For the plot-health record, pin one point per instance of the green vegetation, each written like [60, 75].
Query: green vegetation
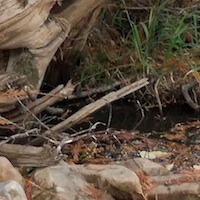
[146, 39]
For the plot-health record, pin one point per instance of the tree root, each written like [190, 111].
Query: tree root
[185, 90]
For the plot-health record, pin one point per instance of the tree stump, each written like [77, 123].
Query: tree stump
[33, 30]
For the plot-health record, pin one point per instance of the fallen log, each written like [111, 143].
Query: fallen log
[29, 156]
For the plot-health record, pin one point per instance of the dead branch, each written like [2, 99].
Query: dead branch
[99, 90]
[94, 106]
[41, 104]
[18, 114]
[185, 90]
[21, 155]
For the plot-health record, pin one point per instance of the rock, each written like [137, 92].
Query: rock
[168, 179]
[177, 186]
[151, 168]
[62, 183]
[145, 180]
[113, 182]
[12, 190]
[184, 191]
[117, 180]
[2, 198]
[8, 172]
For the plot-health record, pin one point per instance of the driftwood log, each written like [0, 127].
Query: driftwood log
[29, 156]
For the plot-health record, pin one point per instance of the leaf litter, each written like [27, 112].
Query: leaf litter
[177, 149]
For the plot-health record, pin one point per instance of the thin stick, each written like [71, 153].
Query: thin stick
[142, 115]
[158, 97]
[34, 131]
[46, 97]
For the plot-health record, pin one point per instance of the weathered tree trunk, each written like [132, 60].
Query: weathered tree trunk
[34, 31]
[21, 155]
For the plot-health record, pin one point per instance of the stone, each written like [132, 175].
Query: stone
[175, 186]
[62, 183]
[184, 191]
[117, 180]
[11, 190]
[159, 180]
[120, 181]
[8, 172]
[2, 198]
[151, 168]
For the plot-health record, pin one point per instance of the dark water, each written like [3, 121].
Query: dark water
[126, 116]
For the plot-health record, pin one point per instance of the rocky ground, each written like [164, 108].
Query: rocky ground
[134, 179]
[118, 165]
